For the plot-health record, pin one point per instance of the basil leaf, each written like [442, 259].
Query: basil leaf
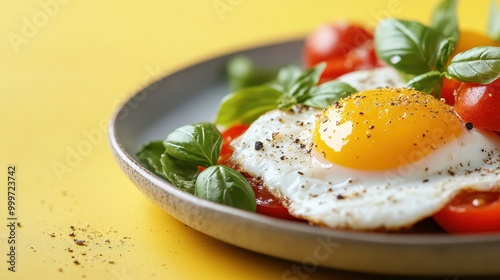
[246, 105]
[298, 90]
[494, 21]
[291, 78]
[477, 65]
[198, 144]
[297, 93]
[286, 102]
[408, 46]
[315, 72]
[429, 82]
[150, 154]
[445, 50]
[227, 186]
[327, 93]
[444, 19]
[179, 173]
[242, 73]
[287, 76]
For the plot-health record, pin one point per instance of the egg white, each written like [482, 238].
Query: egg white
[339, 197]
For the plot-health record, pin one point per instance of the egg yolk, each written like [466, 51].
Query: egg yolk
[384, 128]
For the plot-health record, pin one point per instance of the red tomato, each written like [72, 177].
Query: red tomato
[479, 104]
[329, 41]
[471, 212]
[228, 136]
[363, 57]
[345, 47]
[448, 90]
[267, 203]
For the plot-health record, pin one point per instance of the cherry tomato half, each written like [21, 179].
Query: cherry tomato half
[345, 47]
[333, 40]
[448, 90]
[471, 212]
[228, 136]
[363, 57]
[479, 104]
[267, 203]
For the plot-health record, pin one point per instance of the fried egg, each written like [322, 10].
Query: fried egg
[384, 158]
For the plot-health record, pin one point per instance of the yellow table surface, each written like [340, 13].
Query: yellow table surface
[64, 68]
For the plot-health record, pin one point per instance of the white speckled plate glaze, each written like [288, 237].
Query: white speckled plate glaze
[192, 95]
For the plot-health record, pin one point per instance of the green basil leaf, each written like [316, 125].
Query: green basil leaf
[198, 144]
[494, 21]
[444, 19]
[445, 50]
[246, 105]
[292, 80]
[150, 154]
[477, 65]
[287, 77]
[242, 73]
[316, 71]
[300, 90]
[429, 82]
[298, 87]
[297, 93]
[408, 46]
[227, 186]
[285, 102]
[181, 174]
[327, 93]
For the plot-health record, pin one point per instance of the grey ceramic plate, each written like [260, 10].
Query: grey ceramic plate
[192, 95]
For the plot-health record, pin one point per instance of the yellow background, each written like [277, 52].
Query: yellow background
[64, 68]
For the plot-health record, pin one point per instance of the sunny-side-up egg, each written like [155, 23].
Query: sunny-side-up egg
[381, 159]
